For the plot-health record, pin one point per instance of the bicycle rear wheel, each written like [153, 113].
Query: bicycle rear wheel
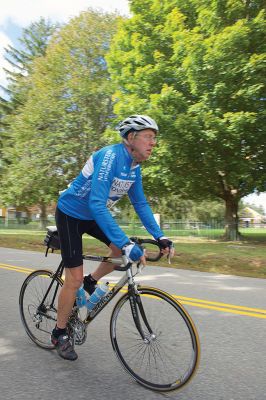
[38, 316]
[168, 356]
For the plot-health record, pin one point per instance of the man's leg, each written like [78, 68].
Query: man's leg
[73, 280]
[103, 269]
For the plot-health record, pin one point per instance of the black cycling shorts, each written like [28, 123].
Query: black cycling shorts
[70, 232]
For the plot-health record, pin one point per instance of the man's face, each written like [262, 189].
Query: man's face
[142, 143]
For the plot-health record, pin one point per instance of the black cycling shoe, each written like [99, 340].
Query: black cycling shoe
[89, 284]
[64, 347]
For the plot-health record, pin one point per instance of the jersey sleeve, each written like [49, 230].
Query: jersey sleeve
[142, 208]
[105, 164]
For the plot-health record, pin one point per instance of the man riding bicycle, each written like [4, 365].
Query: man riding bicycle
[108, 174]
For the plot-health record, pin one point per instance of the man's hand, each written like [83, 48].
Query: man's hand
[166, 245]
[134, 252]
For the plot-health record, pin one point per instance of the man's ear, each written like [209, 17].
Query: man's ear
[130, 137]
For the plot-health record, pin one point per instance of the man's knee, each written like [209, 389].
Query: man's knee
[73, 278]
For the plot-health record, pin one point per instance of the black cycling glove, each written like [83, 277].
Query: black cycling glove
[164, 242]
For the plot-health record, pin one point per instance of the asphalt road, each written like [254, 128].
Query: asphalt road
[229, 312]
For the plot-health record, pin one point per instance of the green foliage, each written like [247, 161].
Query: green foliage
[66, 112]
[33, 42]
[198, 68]
[174, 208]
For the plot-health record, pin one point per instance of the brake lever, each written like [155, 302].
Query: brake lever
[170, 254]
[140, 267]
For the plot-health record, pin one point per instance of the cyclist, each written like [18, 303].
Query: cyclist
[107, 175]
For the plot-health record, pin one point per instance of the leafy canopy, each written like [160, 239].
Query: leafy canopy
[198, 68]
[66, 112]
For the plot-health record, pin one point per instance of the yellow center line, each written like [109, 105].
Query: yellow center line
[206, 304]
[224, 305]
[16, 268]
[226, 310]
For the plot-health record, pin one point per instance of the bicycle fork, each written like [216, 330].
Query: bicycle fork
[138, 312]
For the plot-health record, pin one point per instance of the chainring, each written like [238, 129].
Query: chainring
[77, 329]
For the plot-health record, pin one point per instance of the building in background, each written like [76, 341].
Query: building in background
[250, 218]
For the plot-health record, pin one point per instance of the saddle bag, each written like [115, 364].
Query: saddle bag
[51, 240]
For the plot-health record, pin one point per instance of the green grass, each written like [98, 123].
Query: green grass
[246, 258]
[234, 258]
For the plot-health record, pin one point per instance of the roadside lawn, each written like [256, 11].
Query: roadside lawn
[245, 258]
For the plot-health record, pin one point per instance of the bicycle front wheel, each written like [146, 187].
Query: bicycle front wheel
[37, 306]
[168, 355]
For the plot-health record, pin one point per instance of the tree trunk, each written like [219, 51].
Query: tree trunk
[43, 216]
[231, 218]
[231, 198]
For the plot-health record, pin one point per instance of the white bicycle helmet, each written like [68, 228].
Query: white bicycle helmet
[136, 123]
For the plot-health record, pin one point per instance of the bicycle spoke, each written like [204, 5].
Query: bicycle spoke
[167, 358]
[38, 321]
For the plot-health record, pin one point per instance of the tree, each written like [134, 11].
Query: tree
[198, 69]
[66, 112]
[33, 44]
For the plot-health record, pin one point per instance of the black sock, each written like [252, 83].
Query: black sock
[58, 332]
[89, 284]
[91, 279]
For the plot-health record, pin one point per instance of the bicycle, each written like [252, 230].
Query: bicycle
[152, 334]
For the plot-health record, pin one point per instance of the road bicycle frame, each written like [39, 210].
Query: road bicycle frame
[121, 264]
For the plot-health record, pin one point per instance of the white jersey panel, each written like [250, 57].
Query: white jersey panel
[88, 168]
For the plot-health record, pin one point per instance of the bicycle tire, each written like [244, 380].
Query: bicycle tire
[39, 323]
[168, 361]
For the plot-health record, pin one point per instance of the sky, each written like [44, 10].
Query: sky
[18, 14]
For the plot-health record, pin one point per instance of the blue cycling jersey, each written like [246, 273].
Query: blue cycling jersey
[108, 174]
